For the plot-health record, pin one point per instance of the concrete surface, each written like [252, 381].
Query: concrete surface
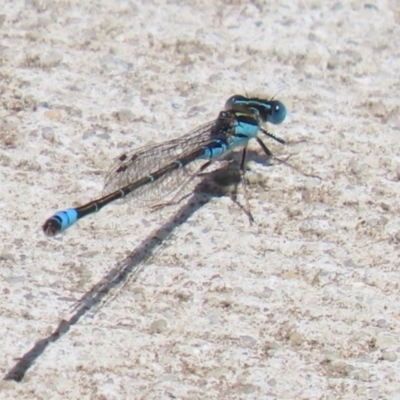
[193, 302]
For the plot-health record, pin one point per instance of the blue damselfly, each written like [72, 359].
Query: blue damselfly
[150, 173]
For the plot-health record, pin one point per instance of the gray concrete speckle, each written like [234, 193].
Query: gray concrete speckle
[302, 304]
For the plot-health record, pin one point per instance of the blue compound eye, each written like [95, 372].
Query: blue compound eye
[277, 112]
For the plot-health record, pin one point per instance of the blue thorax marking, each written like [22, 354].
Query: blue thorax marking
[242, 128]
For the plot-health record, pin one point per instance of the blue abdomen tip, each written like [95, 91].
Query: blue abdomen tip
[60, 221]
[67, 217]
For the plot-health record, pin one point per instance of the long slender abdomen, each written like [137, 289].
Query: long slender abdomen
[62, 220]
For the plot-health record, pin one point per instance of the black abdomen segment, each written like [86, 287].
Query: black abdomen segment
[62, 220]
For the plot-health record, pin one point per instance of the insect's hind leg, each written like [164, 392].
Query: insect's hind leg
[242, 170]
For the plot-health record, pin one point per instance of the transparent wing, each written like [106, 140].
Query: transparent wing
[139, 163]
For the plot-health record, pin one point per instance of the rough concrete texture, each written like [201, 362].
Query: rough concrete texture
[302, 304]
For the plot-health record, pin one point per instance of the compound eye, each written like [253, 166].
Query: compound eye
[278, 113]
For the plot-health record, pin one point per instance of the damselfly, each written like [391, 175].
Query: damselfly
[151, 173]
